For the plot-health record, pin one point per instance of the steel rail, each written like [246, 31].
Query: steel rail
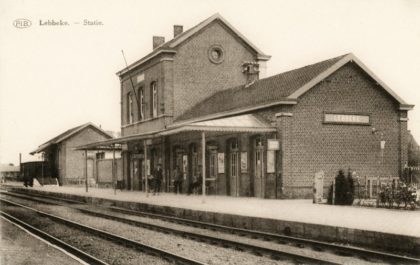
[113, 237]
[55, 241]
[272, 253]
[70, 201]
[317, 245]
[258, 250]
[338, 249]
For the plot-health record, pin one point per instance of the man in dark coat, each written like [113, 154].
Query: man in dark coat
[177, 180]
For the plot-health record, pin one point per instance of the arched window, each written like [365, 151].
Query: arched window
[129, 108]
[154, 99]
[259, 142]
[141, 103]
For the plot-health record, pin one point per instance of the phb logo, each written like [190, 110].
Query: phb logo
[22, 23]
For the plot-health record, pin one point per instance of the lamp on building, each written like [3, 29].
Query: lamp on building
[382, 143]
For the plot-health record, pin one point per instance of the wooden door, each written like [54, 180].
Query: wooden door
[234, 173]
[259, 166]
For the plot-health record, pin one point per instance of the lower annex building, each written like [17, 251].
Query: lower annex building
[254, 136]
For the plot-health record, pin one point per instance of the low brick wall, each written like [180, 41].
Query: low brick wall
[356, 237]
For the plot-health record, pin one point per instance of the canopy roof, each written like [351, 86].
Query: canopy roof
[242, 123]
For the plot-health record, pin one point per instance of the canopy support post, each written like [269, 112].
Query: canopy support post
[203, 163]
[114, 181]
[145, 168]
[86, 171]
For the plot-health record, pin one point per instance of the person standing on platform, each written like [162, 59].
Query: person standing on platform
[196, 182]
[158, 178]
[177, 180]
[151, 183]
[199, 184]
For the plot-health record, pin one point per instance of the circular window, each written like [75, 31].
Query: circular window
[216, 54]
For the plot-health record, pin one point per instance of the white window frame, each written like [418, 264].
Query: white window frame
[141, 102]
[154, 99]
[130, 108]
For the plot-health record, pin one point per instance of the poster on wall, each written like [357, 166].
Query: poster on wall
[273, 144]
[244, 162]
[184, 166]
[271, 162]
[221, 162]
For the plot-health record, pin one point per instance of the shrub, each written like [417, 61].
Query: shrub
[401, 195]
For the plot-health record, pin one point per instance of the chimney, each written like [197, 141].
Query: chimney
[178, 29]
[157, 41]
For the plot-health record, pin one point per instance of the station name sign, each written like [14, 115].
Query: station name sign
[346, 118]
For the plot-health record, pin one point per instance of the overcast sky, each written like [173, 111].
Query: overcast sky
[53, 78]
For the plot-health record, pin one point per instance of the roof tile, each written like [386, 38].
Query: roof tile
[264, 91]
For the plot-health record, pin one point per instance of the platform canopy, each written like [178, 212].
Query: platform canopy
[241, 123]
[247, 123]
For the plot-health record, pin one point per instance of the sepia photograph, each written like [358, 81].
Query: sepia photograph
[209, 132]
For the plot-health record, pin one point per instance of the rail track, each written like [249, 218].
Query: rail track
[172, 257]
[342, 250]
[54, 240]
[364, 254]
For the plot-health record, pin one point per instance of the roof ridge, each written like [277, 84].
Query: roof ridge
[306, 66]
[172, 43]
[64, 135]
[324, 65]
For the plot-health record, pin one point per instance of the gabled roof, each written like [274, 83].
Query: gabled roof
[67, 134]
[284, 88]
[170, 46]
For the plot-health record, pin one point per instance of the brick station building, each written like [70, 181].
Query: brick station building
[63, 161]
[202, 99]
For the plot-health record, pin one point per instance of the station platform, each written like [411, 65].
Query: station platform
[368, 226]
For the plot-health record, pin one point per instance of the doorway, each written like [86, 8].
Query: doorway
[136, 176]
[234, 173]
[259, 166]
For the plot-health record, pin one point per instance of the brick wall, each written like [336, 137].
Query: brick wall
[196, 77]
[75, 159]
[315, 146]
[185, 78]
[154, 71]
[104, 170]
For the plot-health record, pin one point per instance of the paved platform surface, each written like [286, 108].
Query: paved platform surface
[401, 222]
